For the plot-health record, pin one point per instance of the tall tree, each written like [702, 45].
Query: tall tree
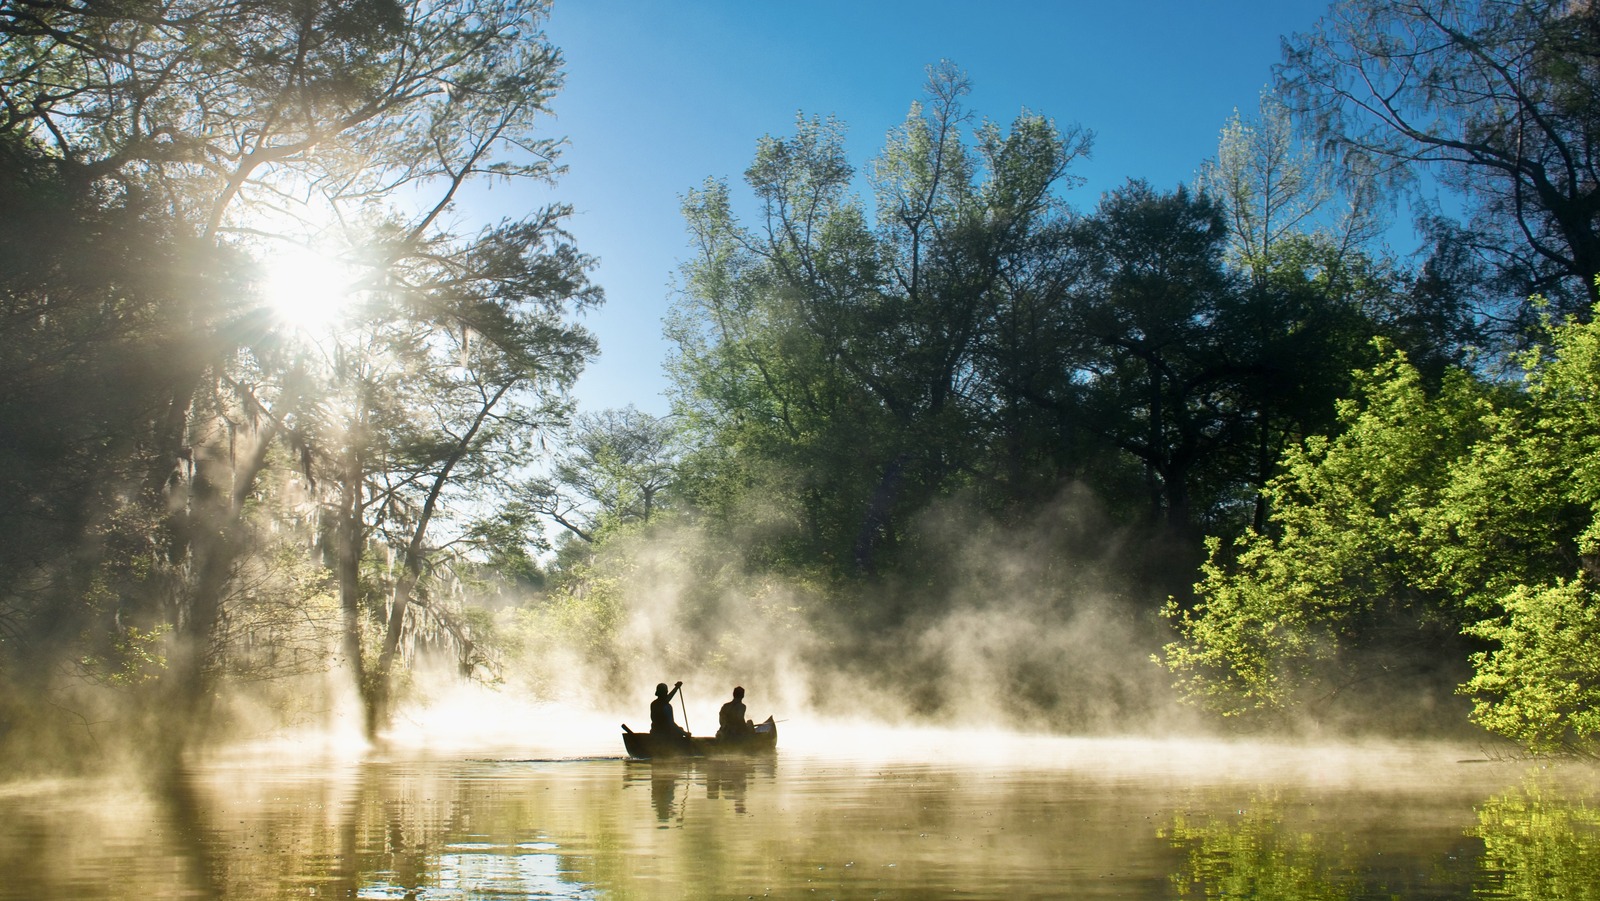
[1272, 188]
[447, 388]
[1496, 97]
[1157, 301]
[839, 352]
[616, 469]
[94, 293]
[1299, 239]
[254, 122]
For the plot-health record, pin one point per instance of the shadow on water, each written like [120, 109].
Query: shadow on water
[1082, 819]
[192, 839]
[721, 779]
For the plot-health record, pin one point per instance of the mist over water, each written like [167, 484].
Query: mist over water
[1031, 626]
[480, 798]
[474, 720]
[994, 728]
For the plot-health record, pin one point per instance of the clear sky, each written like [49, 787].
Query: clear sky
[661, 95]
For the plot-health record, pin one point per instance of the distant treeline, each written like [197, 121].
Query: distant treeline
[957, 418]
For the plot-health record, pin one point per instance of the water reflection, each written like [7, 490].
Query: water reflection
[1250, 855]
[1289, 849]
[1096, 822]
[482, 870]
[1539, 842]
[722, 780]
[729, 780]
[452, 832]
[664, 792]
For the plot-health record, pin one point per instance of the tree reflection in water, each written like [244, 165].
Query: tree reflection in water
[1252, 854]
[1538, 844]
[589, 828]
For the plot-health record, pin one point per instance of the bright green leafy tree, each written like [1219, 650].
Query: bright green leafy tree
[1525, 525]
[1345, 581]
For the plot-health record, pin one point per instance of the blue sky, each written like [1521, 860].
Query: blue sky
[659, 96]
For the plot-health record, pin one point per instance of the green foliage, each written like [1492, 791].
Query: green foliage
[136, 658]
[1535, 530]
[617, 470]
[839, 373]
[1541, 684]
[586, 613]
[1432, 517]
[281, 620]
[95, 289]
[1348, 562]
[1157, 306]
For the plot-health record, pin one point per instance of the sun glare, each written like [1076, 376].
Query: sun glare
[307, 291]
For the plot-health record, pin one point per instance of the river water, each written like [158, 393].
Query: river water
[838, 814]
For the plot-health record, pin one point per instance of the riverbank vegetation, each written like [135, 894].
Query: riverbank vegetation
[946, 440]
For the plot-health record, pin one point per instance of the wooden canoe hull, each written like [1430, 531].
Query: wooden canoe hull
[645, 746]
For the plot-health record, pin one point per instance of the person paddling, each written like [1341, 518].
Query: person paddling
[661, 720]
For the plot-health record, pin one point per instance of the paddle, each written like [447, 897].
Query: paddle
[685, 706]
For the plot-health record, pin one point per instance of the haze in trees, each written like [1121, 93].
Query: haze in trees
[943, 436]
[238, 131]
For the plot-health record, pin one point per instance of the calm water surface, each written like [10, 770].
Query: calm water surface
[852, 815]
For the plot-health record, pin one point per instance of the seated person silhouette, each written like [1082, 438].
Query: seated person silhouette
[662, 722]
[730, 720]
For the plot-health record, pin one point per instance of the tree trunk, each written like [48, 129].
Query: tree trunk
[875, 523]
[351, 532]
[214, 531]
[382, 678]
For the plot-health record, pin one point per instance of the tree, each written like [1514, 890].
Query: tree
[1344, 583]
[1301, 233]
[1437, 319]
[1155, 298]
[835, 356]
[618, 465]
[1272, 189]
[253, 124]
[93, 301]
[1496, 97]
[440, 388]
[1524, 532]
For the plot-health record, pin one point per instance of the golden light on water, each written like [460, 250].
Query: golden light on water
[482, 793]
[476, 722]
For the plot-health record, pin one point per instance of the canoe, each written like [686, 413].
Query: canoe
[644, 746]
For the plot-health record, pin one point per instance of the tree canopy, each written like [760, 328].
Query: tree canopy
[1496, 99]
[207, 141]
[927, 406]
